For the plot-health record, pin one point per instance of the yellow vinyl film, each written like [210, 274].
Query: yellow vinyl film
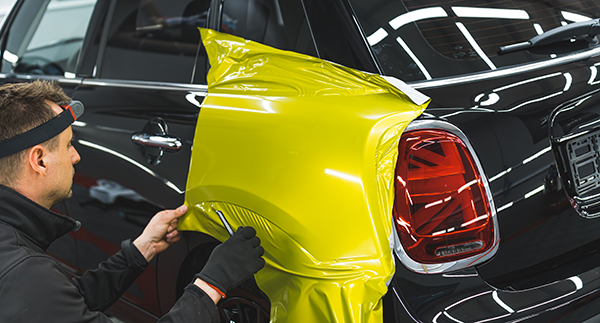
[303, 150]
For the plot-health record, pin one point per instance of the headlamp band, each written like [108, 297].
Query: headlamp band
[43, 132]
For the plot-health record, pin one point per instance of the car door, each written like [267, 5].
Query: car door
[143, 81]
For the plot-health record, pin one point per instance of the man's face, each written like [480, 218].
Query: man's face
[60, 165]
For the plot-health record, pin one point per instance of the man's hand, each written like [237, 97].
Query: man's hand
[233, 261]
[160, 232]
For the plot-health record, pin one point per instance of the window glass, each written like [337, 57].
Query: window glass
[425, 39]
[47, 36]
[277, 23]
[155, 40]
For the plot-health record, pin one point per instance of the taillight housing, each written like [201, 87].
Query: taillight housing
[443, 210]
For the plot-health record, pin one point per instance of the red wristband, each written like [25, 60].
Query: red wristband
[218, 291]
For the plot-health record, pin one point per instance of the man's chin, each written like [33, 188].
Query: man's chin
[62, 198]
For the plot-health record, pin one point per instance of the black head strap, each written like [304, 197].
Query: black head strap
[43, 132]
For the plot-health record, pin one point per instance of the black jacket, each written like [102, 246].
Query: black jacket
[35, 288]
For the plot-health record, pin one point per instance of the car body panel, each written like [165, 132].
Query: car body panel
[507, 113]
[284, 164]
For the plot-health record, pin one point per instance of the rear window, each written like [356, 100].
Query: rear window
[280, 24]
[425, 39]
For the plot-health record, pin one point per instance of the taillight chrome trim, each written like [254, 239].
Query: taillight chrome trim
[444, 267]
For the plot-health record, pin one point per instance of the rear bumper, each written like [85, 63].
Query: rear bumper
[465, 297]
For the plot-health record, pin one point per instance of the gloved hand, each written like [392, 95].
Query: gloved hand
[234, 261]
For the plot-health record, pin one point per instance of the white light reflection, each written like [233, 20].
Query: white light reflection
[403, 223]
[401, 181]
[220, 107]
[409, 198]
[344, 176]
[493, 98]
[406, 227]
[69, 75]
[377, 36]
[575, 17]
[588, 124]
[477, 219]
[135, 163]
[10, 57]
[533, 101]
[453, 319]
[79, 124]
[576, 104]
[191, 98]
[265, 104]
[505, 206]
[476, 47]
[414, 58]
[538, 29]
[535, 79]
[535, 191]
[412, 16]
[501, 303]
[502, 173]
[538, 154]
[483, 109]
[474, 12]
[577, 281]
[553, 56]
[401, 302]
[568, 81]
[438, 202]
[439, 232]
[469, 184]
[571, 136]
[453, 114]
[593, 74]
[564, 23]
[546, 302]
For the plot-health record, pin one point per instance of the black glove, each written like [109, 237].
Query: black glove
[234, 261]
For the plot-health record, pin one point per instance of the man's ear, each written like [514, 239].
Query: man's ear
[37, 159]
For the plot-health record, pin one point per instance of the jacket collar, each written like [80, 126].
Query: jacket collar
[37, 222]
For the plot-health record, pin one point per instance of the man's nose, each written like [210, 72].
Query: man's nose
[76, 158]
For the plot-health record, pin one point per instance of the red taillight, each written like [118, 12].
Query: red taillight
[441, 210]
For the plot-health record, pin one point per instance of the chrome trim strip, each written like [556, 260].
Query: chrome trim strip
[146, 85]
[59, 79]
[501, 72]
[463, 263]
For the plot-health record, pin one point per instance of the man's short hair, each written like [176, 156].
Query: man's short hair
[22, 108]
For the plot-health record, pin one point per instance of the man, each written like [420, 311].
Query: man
[36, 172]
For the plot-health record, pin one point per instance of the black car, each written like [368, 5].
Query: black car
[515, 98]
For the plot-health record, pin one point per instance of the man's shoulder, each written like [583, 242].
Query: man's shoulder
[14, 253]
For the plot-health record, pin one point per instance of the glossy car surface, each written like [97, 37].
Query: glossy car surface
[531, 117]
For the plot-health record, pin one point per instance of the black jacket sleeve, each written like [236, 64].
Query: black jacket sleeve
[103, 286]
[193, 306]
[36, 290]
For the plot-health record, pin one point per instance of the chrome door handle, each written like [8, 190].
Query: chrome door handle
[169, 143]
